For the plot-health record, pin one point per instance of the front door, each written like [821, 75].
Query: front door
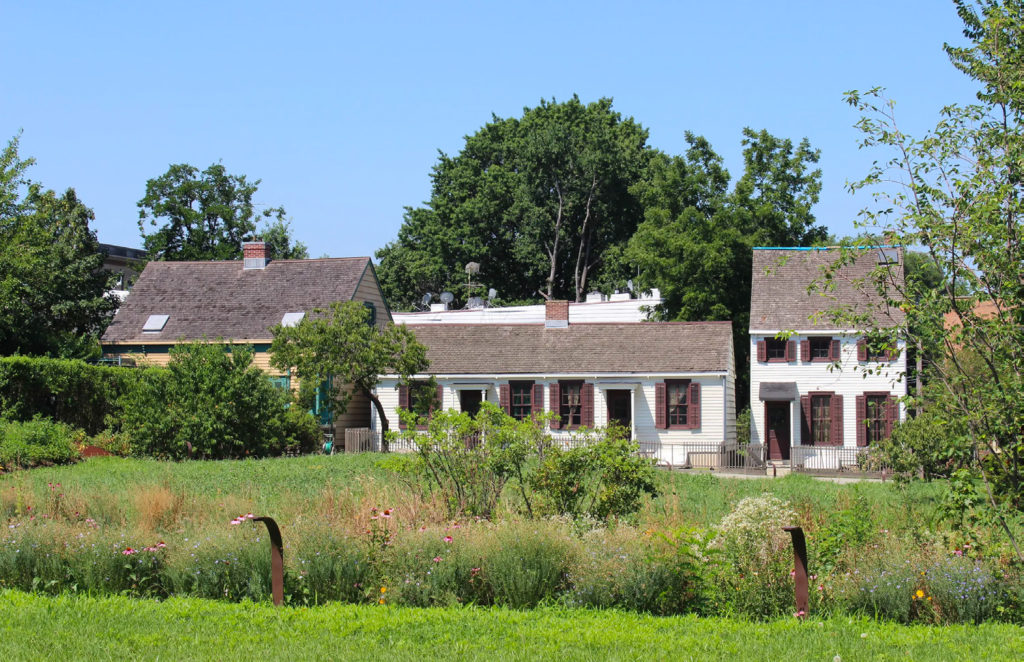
[469, 401]
[620, 409]
[776, 416]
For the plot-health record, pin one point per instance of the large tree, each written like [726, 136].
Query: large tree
[340, 346]
[53, 290]
[539, 202]
[696, 241]
[207, 215]
[958, 193]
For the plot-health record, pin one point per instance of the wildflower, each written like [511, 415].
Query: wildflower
[448, 538]
[381, 601]
[128, 551]
[236, 521]
[386, 513]
[800, 614]
[161, 544]
[474, 572]
[863, 635]
[792, 573]
[437, 559]
[920, 593]
[383, 589]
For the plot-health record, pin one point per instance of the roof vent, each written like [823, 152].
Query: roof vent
[292, 319]
[155, 323]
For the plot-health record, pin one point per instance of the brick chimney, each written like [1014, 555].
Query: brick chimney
[556, 314]
[254, 255]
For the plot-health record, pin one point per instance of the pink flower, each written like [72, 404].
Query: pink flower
[386, 513]
[958, 552]
[448, 538]
[128, 551]
[437, 559]
[161, 544]
[474, 572]
[236, 521]
[800, 614]
[250, 516]
[792, 573]
[821, 587]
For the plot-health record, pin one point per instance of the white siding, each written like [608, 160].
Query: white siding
[850, 379]
[718, 415]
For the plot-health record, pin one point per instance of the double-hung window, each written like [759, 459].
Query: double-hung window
[570, 405]
[677, 403]
[521, 400]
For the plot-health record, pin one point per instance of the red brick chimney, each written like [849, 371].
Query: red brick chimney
[556, 314]
[254, 255]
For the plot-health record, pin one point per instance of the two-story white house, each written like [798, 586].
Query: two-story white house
[814, 384]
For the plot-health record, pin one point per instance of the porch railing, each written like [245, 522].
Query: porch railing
[720, 456]
[830, 460]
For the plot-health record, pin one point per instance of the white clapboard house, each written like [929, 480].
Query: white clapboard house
[670, 383]
[821, 394]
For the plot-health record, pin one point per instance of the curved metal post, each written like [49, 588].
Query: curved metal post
[800, 567]
[276, 559]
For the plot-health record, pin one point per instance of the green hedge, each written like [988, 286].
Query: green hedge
[64, 390]
[37, 442]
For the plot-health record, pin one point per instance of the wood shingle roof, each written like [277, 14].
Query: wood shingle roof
[222, 300]
[780, 300]
[591, 348]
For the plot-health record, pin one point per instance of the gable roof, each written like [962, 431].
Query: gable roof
[781, 276]
[631, 348]
[222, 300]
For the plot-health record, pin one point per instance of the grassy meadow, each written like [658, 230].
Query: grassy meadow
[358, 532]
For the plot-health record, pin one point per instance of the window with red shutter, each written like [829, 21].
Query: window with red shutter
[537, 405]
[403, 402]
[660, 419]
[820, 349]
[837, 420]
[587, 400]
[862, 415]
[805, 420]
[570, 404]
[877, 417]
[836, 349]
[762, 351]
[790, 350]
[520, 400]
[694, 413]
[505, 398]
[554, 405]
[862, 349]
[677, 404]
[805, 351]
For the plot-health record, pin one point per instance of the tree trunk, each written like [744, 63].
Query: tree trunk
[553, 251]
[583, 255]
[383, 420]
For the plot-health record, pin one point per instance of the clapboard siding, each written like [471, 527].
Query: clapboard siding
[718, 418]
[850, 379]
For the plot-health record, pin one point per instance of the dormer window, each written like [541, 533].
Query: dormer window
[155, 323]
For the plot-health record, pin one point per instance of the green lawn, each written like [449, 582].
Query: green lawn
[87, 628]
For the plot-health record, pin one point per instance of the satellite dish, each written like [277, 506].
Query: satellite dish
[629, 284]
[492, 293]
[447, 297]
[425, 301]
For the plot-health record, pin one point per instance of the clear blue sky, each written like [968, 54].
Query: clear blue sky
[340, 108]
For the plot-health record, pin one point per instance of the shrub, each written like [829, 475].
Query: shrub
[38, 442]
[600, 476]
[67, 391]
[214, 404]
[756, 560]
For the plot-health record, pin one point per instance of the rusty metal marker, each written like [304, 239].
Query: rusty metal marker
[800, 566]
[277, 560]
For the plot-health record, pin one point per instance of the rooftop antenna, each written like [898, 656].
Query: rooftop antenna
[472, 269]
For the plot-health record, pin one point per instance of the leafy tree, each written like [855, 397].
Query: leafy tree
[207, 215]
[696, 241]
[211, 402]
[957, 193]
[538, 201]
[339, 346]
[53, 297]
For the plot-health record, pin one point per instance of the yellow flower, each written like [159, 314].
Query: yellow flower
[381, 601]
[920, 593]
[383, 589]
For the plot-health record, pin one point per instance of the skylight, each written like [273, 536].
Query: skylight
[292, 319]
[155, 323]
